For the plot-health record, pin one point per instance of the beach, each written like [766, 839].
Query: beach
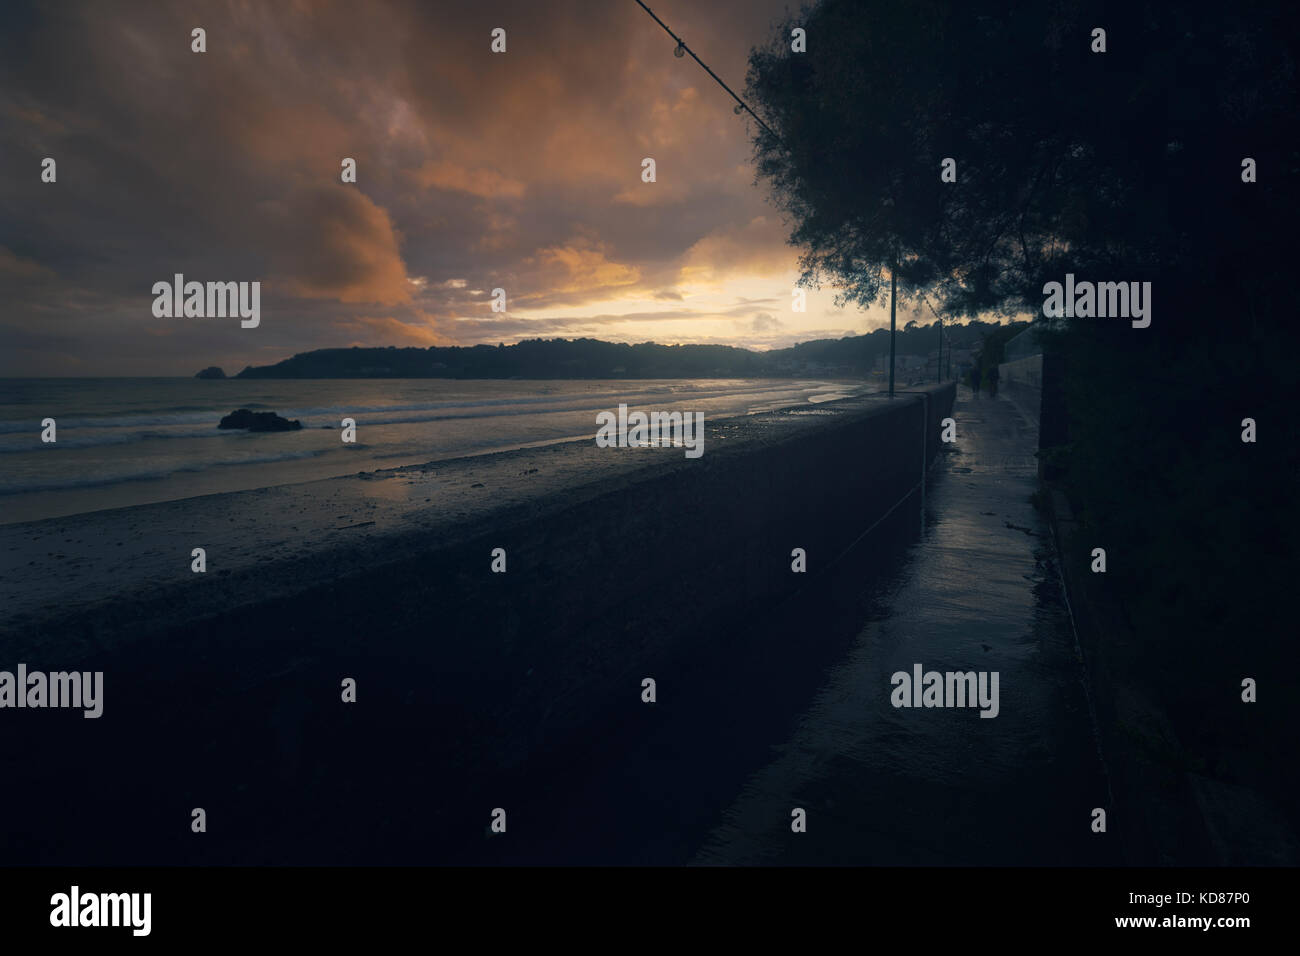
[618, 561]
[116, 443]
[259, 542]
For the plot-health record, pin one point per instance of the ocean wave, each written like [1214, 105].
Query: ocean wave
[121, 438]
[156, 430]
[196, 415]
[364, 415]
[84, 481]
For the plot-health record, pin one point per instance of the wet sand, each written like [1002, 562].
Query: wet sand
[267, 542]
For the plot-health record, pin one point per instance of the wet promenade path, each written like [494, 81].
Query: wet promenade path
[907, 786]
[792, 708]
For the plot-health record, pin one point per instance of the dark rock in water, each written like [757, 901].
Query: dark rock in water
[212, 371]
[259, 421]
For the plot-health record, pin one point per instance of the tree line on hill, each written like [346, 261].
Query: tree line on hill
[851, 356]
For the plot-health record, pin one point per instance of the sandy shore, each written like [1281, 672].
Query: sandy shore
[271, 541]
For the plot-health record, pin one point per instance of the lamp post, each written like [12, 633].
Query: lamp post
[893, 301]
[938, 362]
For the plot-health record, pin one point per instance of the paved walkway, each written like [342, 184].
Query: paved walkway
[885, 785]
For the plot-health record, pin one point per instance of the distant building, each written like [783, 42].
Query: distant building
[902, 363]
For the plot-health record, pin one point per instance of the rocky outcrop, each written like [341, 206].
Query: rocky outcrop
[212, 371]
[259, 421]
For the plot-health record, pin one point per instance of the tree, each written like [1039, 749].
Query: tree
[1125, 165]
[1124, 161]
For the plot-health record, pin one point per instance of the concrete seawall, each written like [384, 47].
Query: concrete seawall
[619, 584]
[461, 672]
[1022, 382]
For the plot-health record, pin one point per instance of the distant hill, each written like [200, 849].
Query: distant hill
[852, 356]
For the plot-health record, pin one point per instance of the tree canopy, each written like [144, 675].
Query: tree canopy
[1125, 163]
[1172, 157]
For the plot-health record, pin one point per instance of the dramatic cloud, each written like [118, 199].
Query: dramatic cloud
[331, 243]
[487, 183]
[752, 248]
[475, 170]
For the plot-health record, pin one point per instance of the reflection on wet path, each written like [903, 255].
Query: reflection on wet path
[908, 786]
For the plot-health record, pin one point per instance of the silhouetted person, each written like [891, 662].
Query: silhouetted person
[975, 382]
[993, 381]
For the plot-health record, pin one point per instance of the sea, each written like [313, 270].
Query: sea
[130, 441]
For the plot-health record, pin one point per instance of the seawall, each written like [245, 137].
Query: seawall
[1021, 381]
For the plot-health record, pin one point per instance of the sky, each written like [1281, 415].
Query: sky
[476, 170]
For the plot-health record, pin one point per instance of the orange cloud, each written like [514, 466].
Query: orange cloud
[484, 183]
[500, 231]
[390, 330]
[332, 242]
[582, 265]
[756, 248]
